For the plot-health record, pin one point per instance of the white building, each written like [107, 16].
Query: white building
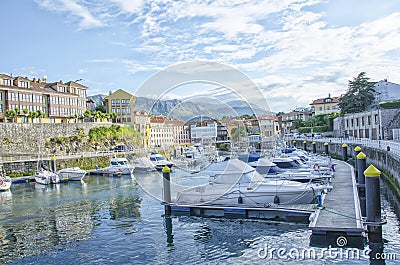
[386, 91]
[161, 132]
[205, 134]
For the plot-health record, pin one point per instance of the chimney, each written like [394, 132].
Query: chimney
[110, 92]
[44, 79]
[34, 80]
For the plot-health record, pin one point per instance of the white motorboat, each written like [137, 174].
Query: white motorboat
[159, 161]
[5, 181]
[143, 164]
[121, 165]
[234, 183]
[46, 177]
[73, 173]
[269, 170]
[293, 165]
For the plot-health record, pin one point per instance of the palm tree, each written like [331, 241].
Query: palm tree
[11, 114]
[32, 115]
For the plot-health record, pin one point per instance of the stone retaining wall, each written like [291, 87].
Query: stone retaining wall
[24, 138]
[384, 160]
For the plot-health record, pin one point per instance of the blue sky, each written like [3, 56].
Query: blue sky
[293, 50]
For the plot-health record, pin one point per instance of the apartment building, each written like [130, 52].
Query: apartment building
[141, 123]
[181, 132]
[58, 100]
[269, 126]
[325, 105]
[161, 132]
[121, 103]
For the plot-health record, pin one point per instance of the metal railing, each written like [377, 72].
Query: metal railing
[385, 145]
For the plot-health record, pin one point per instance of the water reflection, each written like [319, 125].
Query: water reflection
[41, 217]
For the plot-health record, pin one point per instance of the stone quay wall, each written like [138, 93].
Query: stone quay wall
[24, 138]
[384, 160]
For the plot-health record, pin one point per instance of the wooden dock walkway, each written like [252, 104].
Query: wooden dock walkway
[339, 222]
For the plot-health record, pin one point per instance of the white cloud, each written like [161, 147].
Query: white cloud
[129, 6]
[77, 11]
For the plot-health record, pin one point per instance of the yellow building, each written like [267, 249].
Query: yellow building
[121, 103]
[325, 105]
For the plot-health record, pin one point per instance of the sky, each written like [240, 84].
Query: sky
[294, 51]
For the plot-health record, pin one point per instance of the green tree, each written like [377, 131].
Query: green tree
[12, 114]
[359, 95]
[101, 108]
[296, 124]
[87, 113]
[32, 115]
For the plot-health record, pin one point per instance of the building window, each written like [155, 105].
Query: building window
[357, 122]
[1, 96]
[328, 100]
[376, 118]
[352, 123]
[6, 82]
[320, 108]
[362, 121]
[328, 108]
[369, 120]
[23, 84]
[1, 108]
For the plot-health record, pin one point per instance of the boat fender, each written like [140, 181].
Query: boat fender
[240, 200]
[276, 199]
[1, 182]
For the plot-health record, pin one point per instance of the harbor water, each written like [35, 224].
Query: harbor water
[108, 220]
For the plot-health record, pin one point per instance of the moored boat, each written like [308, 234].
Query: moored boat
[143, 164]
[46, 177]
[5, 181]
[233, 182]
[73, 174]
[159, 161]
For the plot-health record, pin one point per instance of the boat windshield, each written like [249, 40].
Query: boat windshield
[122, 163]
[287, 164]
[157, 158]
[275, 170]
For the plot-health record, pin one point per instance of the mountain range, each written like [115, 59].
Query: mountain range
[189, 109]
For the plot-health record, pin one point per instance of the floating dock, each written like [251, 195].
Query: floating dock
[337, 223]
[340, 218]
[290, 213]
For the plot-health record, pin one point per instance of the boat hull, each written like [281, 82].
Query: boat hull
[5, 184]
[72, 175]
[46, 178]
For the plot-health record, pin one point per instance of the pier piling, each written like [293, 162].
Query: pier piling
[357, 150]
[361, 166]
[344, 152]
[53, 166]
[373, 204]
[314, 147]
[305, 145]
[326, 146]
[167, 189]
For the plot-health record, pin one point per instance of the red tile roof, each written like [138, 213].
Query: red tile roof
[322, 101]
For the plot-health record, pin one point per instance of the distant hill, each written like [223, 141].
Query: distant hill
[186, 110]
